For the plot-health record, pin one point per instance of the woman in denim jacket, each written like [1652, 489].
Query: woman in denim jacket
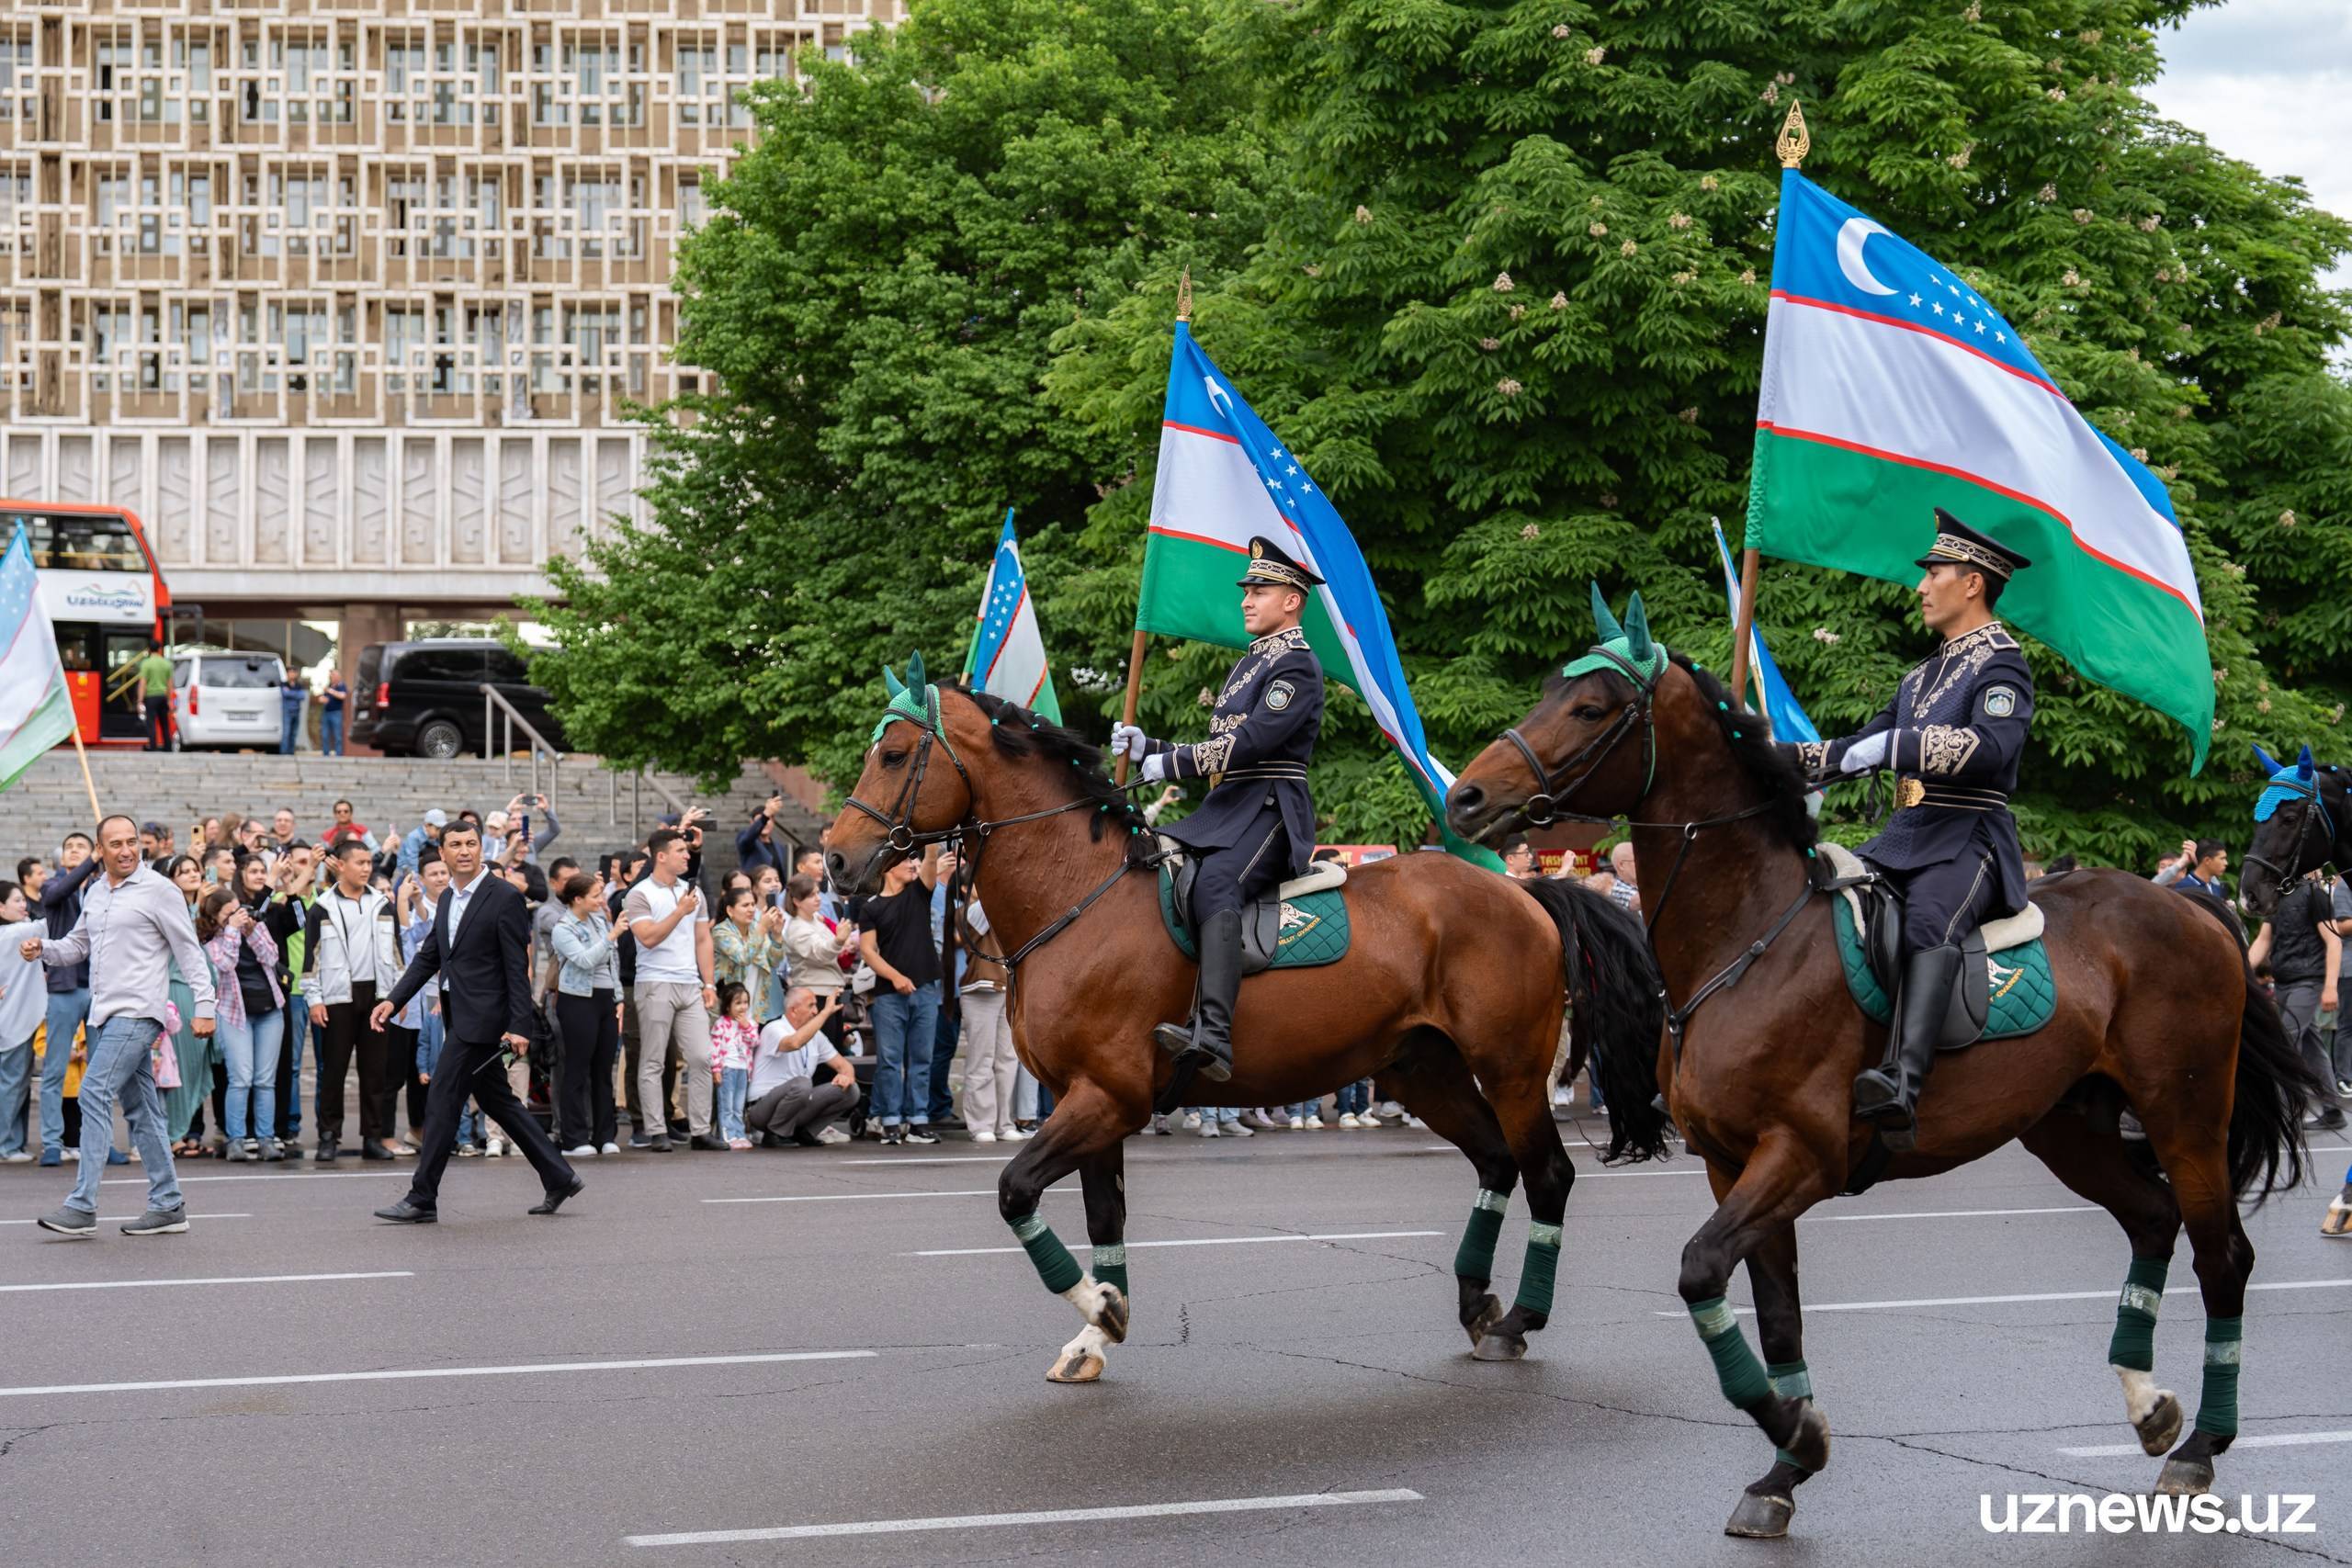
[251, 1011]
[588, 1016]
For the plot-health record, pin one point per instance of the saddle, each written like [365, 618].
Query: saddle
[2005, 986]
[1304, 924]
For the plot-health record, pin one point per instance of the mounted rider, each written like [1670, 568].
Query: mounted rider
[1256, 829]
[1953, 736]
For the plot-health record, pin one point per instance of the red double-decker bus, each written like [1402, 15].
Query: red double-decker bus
[107, 600]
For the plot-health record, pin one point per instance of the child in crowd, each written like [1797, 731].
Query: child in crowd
[733, 1041]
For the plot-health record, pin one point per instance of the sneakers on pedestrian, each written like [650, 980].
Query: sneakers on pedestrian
[658, 1147]
[1013, 1135]
[70, 1222]
[495, 1148]
[240, 1150]
[158, 1222]
[892, 1135]
[639, 1140]
[470, 1151]
[252, 1148]
[1191, 1121]
[610, 1148]
[1315, 1123]
[580, 1151]
[984, 1137]
[708, 1141]
[1297, 1123]
[272, 1151]
[734, 1143]
[326, 1152]
[1348, 1119]
[73, 1157]
[1238, 1130]
[832, 1135]
[918, 1133]
[19, 1157]
[1208, 1128]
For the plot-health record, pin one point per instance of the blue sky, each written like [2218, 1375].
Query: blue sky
[2270, 81]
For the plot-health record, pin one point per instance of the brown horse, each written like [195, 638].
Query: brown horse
[2156, 1009]
[1433, 995]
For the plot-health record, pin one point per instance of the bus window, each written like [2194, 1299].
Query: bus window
[75, 541]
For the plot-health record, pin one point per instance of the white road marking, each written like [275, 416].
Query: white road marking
[2276, 1440]
[406, 1374]
[1811, 1307]
[225, 1280]
[857, 1197]
[1203, 1241]
[125, 1219]
[1044, 1516]
[932, 1159]
[1949, 1215]
[259, 1176]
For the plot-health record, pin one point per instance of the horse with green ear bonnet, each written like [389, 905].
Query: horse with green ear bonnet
[915, 701]
[1625, 648]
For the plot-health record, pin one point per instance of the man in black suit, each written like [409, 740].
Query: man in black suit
[480, 947]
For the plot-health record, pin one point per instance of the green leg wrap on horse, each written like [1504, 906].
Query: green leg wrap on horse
[1738, 1372]
[1475, 1258]
[1537, 1275]
[1789, 1380]
[2134, 1343]
[2217, 1405]
[1111, 1265]
[1054, 1266]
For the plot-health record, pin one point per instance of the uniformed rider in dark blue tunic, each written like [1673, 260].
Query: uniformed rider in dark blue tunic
[1256, 828]
[1953, 736]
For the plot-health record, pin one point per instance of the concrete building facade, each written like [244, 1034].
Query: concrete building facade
[349, 299]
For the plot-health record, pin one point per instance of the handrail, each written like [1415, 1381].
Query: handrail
[491, 696]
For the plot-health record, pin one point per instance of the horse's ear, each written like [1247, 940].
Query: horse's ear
[2269, 763]
[1637, 627]
[915, 677]
[1605, 627]
[892, 684]
[2303, 765]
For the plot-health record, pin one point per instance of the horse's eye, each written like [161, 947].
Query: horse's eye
[1591, 713]
[893, 757]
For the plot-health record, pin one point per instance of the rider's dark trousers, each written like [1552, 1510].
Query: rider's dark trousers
[1943, 903]
[1248, 869]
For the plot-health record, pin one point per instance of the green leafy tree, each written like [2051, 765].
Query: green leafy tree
[1511, 318]
[874, 296]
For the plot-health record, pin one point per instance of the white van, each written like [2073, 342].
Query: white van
[227, 700]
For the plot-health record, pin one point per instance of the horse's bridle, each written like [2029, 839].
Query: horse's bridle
[1638, 711]
[2307, 804]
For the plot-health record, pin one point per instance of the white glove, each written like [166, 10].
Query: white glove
[1154, 767]
[1864, 755]
[1128, 739]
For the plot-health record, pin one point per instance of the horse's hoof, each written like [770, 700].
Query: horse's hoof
[1500, 1348]
[2339, 1220]
[1810, 1446]
[1760, 1518]
[2160, 1428]
[1482, 1323]
[2185, 1478]
[1078, 1366]
[1113, 1319]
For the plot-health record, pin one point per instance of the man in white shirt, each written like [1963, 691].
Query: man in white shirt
[784, 1098]
[674, 993]
[133, 926]
[355, 958]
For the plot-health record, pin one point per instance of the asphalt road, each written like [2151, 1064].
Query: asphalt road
[503, 1390]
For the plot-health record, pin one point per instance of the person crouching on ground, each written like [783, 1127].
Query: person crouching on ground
[786, 1101]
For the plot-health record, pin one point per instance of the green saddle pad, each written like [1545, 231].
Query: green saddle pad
[2023, 994]
[1313, 929]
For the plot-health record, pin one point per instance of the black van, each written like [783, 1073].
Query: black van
[423, 699]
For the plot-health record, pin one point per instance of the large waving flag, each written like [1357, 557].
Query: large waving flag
[1773, 698]
[1223, 477]
[1008, 657]
[1891, 388]
[36, 710]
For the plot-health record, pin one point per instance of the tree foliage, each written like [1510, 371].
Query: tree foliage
[1496, 270]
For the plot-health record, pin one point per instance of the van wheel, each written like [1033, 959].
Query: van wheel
[440, 740]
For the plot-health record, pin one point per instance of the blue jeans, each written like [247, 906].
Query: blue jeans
[903, 1030]
[1305, 1107]
[122, 1067]
[330, 731]
[289, 729]
[67, 1010]
[16, 1066]
[1356, 1098]
[734, 1083]
[1216, 1116]
[290, 1068]
[250, 1048]
[939, 1104]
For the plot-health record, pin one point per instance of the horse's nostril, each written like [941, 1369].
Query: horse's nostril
[1468, 797]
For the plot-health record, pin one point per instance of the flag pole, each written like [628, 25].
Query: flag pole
[1793, 144]
[87, 782]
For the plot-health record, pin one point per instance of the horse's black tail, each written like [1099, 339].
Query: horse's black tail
[2275, 1087]
[1616, 1009]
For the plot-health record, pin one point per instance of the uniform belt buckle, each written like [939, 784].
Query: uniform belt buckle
[1908, 792]
[1216, 779]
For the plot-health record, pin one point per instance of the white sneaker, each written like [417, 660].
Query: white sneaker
[610, 1149]
[19, 1157]
[1238, 1130]
[1191, 1121]
[72, 1155]
[1013, 1136]
[1315, 1123]
[1390, 1110]
[1297, 1122]
[1413, 1121]
[497, 1147]
[1348, 1118]
[582, 1152]
[984, 1137]
[835, 1135]
[1209, 1127]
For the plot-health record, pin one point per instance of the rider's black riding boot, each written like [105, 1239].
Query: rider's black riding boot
[1209, 1042]
[1889, 1093]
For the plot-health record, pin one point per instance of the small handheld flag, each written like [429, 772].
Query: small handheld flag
[36, 710]
[1008, 657]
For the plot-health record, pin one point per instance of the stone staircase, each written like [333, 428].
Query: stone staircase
[599, 810]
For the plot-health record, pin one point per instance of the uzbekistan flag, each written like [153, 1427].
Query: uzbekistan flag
[1008, 657]
[1891, 388]
[1224, 478]
[1773, 698]
[36, 711]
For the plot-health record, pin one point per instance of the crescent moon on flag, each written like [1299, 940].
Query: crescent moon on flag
[1852, 235]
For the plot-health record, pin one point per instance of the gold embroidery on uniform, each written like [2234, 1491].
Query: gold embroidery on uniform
[1812, 756]
[1282, 641]
[1226, 723]
[1945, 749]
[1243, 673]
[1210, 756]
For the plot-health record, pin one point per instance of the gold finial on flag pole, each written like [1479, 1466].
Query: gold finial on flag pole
[1795, 140]
[1184, 296]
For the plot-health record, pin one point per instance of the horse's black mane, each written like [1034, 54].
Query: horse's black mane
[1019, 733]
[1750, 740]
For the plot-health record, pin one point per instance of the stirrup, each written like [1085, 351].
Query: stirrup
[1205, 1061]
